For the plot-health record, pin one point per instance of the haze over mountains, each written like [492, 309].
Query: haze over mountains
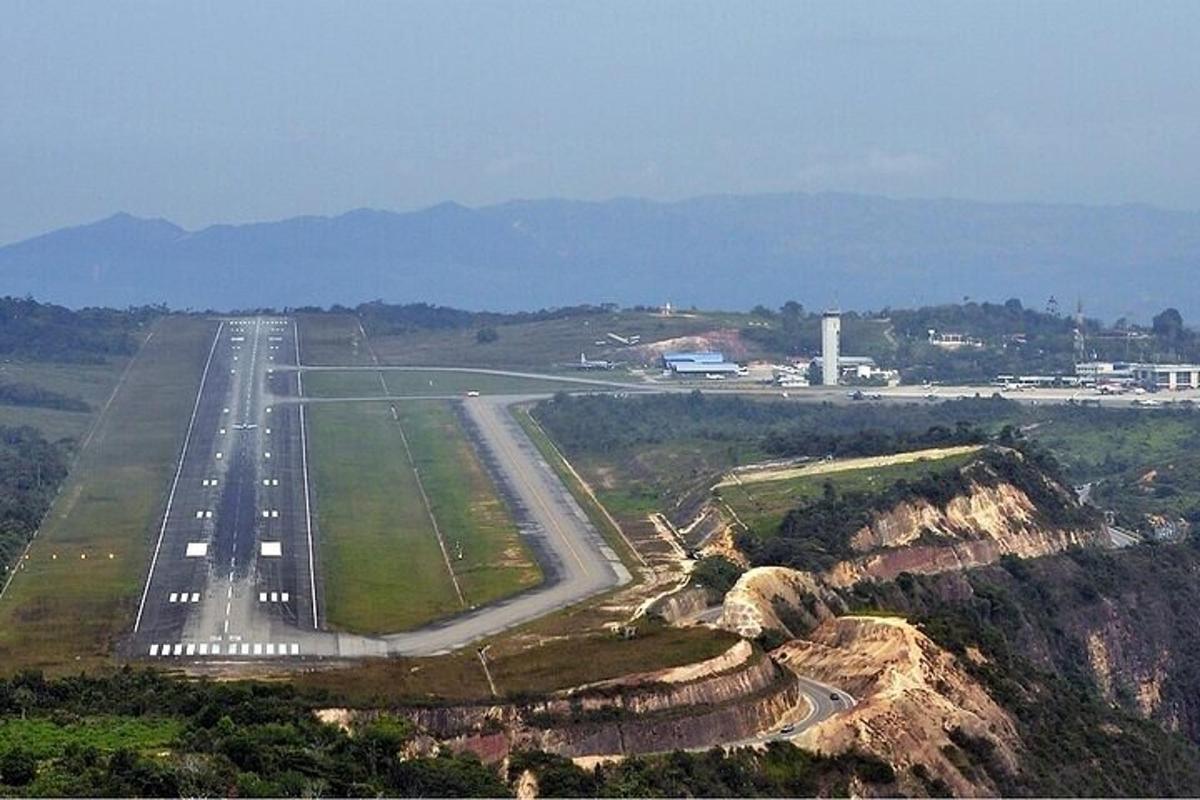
[860, 252]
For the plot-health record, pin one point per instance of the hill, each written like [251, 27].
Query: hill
[721, 251]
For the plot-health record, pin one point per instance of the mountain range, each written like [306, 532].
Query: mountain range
[856, 251]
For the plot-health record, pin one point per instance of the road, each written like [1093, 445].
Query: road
[819, 706]
[234, 573]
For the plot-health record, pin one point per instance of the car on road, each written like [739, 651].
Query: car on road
[472, 393]
[835, 697]
[786, 729]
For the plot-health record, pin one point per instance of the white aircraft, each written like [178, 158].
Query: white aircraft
[244, 426]
[587, 363]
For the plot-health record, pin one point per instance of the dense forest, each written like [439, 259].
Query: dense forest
[31, 470]
[44, 332]
[599, 424]
[196, 738]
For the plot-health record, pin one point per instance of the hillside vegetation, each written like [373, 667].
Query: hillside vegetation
[1092, 652]
[44, 332]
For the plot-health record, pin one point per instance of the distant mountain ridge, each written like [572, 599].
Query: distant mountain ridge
[857, 251]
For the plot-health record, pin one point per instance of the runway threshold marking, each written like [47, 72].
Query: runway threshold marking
[187, 439]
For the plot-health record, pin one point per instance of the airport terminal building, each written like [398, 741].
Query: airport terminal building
[1168, 376]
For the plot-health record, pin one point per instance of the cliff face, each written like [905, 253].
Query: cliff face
[910, 695]
[975, 528]
[727, 698]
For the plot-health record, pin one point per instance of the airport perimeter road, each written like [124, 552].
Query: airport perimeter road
[232, 570]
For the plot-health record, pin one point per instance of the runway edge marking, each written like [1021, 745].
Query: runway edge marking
[312, 575]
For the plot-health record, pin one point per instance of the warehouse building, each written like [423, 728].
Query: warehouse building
[699, 364]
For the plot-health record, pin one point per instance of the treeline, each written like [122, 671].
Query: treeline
[807, 442]
[600, 424]
[45, 332]
[984, 321]
[31, 470]
[816, 534]
[28, 394]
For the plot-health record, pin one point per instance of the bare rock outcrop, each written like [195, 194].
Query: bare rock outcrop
[912, 696]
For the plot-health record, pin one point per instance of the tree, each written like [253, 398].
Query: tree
[486, 335]
[1169, 325]
[18, 767]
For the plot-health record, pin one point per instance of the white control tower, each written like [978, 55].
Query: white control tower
[831, 347]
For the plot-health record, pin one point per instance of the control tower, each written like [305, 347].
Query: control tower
[831, 347]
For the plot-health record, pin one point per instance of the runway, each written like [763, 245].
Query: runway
[232, 574]
[235, 570]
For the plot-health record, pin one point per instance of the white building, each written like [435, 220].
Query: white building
[1168, 376]
[831, 347]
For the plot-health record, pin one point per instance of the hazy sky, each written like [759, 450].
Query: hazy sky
[205, 112]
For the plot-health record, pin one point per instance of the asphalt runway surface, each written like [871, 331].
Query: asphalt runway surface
[233, 566]
[235, 571]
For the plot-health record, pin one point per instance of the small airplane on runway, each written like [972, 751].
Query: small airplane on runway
[244, 426]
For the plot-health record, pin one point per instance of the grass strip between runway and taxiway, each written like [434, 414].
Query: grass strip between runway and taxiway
[383, 567]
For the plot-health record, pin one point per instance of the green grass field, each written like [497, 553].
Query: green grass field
[545, 344]
[93, 383]
[382, 566]
[531, 661]
[489, 556]
[425, 383]
[342, 384]
[762, 506]
[384, 570]
[332, 339]
[64, 611]
[443, 382]
[46, 738]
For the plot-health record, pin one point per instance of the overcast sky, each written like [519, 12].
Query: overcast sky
[237, 111]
